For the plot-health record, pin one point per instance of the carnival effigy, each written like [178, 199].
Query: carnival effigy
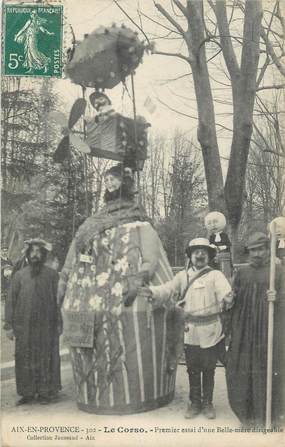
[279, 223]
[124, 353]
[215, 223]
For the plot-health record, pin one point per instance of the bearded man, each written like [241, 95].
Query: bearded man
[247, 355]
[32, 318]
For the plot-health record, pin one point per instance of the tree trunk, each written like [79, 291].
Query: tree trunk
[206, 133]
[244, 91]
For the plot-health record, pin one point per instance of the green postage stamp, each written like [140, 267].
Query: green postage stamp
[33, 40]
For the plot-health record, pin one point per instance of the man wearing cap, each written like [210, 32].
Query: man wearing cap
[203, 293]
[32, 318]
[247, 355]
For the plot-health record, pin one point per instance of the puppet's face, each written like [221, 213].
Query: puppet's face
[101, 101]
[215, 222]
[112, 182]
[279, 227]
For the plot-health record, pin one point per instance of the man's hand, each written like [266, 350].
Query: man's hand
[146, 293]
[271, 295]
[10, 334]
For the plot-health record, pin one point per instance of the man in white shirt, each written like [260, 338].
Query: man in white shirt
[203, 293]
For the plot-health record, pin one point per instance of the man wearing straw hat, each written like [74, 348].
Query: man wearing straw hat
[203, 293]
[247, 355]
[32, 318]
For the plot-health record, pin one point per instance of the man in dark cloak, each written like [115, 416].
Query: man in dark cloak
[247, 355]
[32, 318]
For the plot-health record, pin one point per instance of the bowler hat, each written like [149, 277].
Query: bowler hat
[256, 240]
[200, 242]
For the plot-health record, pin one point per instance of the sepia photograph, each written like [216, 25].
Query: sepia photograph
[143, 223]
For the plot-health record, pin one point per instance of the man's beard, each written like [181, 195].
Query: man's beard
[259, 261]
[112, 195]
[36, 267]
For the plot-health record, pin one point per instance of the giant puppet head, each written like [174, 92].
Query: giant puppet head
[278, 225]
[215, 222]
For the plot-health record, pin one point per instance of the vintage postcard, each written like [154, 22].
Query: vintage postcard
[143, 223]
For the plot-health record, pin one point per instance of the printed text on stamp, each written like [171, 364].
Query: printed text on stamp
[33, 40]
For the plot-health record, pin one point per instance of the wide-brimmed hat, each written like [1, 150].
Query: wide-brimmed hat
[257, 240]
[37, 241]
[201, 242]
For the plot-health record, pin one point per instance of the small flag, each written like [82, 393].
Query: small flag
[149, 105]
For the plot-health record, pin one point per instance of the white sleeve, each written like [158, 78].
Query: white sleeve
[164, 292]
[223, 288]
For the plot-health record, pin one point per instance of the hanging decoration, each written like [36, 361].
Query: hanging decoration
[101, 61]
[105, 57]
[113, 136]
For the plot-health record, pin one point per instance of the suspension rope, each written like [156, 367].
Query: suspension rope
[85, 162]
[136, 137]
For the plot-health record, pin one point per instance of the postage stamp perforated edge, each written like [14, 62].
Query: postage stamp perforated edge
[61, 46]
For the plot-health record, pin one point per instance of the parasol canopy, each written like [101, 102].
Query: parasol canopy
[105, 57]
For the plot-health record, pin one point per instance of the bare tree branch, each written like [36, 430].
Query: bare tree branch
[262, 71]
[275, 33]
[274, 152]
[280, 17]
[262, 137]
[181, 7]
[271, 52]
[169, 18]
[160, 24]
[225, 38]
[134, 23]
[175, 110]
[271, 87]
[165, 81]
[179, 55]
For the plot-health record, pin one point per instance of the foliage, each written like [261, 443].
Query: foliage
[174, 192]
[40, 199]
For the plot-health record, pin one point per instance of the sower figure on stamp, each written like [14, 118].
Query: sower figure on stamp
[247, 355]
[203, 293]
[33, 57]
[31, 317]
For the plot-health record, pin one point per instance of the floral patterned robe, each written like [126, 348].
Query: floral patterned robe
[123, 366]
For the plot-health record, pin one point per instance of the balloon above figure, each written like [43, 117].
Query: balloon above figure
[105, 57]
[101, 61]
